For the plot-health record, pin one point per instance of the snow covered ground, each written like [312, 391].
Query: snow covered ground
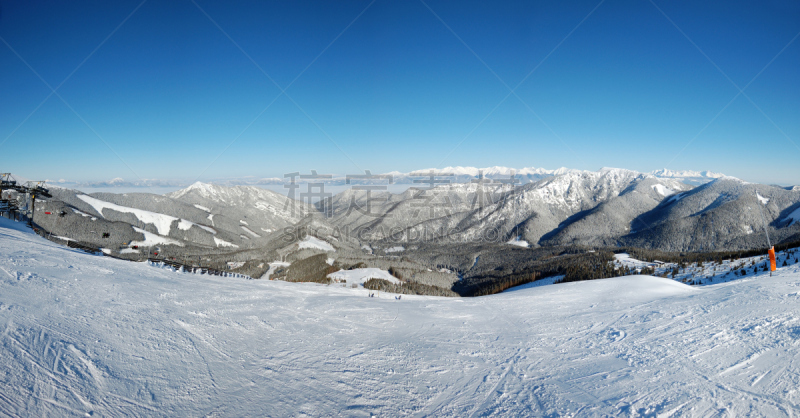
[707, 273]
[83, 334]
[315, 243]
[359, 276]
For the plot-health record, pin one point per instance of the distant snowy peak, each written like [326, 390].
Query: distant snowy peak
[488, 171]
[204, 189]
[664, 172]
[691, 177]
[460, 174]
[120, 182]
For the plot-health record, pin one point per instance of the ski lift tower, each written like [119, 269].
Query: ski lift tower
[7, 204]
[34, 188]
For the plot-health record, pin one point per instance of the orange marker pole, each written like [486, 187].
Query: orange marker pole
[772, 266]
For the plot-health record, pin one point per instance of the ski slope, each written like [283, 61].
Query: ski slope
[89, 335]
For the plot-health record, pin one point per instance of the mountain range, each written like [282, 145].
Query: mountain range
[482, 213]
[455, 174]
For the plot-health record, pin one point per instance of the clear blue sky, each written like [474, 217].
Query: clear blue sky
[168, 91]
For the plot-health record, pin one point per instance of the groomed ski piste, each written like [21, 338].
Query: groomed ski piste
[84, 335]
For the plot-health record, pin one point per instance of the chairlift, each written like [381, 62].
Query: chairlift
[6, 181]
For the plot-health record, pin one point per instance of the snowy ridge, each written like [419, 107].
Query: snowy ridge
[685, 173]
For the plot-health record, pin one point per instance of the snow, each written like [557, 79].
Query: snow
[274, 266]
[160, 221]
[663, 190]
[243, 222]
[222, 243]
[624, 259]
[128, 251]
[8, 224]
[359, 276]
[151, 239]
[250, 232]
[84, 214]
[762, 199]
[519, 242]
[203, 189]
[793, 217]
[538, 283]
[709, 273]
[315, 243]
[396, 249]
[488, 171]
[184, 225]
[685, 173]
[677, 197]
[203, 208]
[96, 336]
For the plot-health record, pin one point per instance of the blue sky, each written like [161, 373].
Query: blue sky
[193, 90]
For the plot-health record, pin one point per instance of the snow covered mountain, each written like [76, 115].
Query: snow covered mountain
[269, 209]
[460, 174]
[210, 218]
[694, 178]
[610, 207]
[498, 212]
[724, 214]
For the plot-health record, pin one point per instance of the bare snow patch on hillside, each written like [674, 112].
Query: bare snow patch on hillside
[762, 199]
[359, 276]
[663, 190]
[222, 243]
[519, 242]
[185, 225]
[275, 265]
[246, 229]
[624, 259]
[203, 208]
[396, 249]
[151, 239]
[315, 243]
[84, 214]
[677, 197]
